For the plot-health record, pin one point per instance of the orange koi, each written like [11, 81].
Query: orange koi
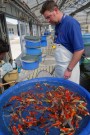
[66, 129]
[20, 128]
[15, 98]
[14, 130]
[56, 124]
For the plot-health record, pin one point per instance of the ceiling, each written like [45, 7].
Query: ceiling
[29, 10]
[80, 9]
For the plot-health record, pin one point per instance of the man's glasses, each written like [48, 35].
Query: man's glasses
[48, 17]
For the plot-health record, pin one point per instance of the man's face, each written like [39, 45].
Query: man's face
[2, 56]
[51, 16]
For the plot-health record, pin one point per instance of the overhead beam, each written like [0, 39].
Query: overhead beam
[81, 9]
[36, 6]
[23, 6]
[62, 3]
[37, 2]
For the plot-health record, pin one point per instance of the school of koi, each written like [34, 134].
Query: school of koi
[59, 108]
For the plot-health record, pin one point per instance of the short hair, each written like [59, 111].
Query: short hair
[48, 5]
[4, 47]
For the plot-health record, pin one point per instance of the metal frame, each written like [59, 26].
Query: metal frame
[28, 9]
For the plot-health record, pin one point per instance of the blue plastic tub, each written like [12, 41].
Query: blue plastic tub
[33, 51]
[32, 44]
[40, 58]
[43, 38]
[43, 43]
[29, 63]
[86, 38]
[47, 33]
[24, 86]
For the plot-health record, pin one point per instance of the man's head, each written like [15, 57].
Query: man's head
[51, 12]
[4, 47]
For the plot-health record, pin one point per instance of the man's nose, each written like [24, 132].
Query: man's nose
[48, 20]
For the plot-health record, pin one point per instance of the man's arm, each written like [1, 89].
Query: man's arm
[1, 85]
[75, 59]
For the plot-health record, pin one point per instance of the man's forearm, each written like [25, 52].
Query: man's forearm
[75, 59]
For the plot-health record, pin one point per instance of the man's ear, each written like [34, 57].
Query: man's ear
[56, 9]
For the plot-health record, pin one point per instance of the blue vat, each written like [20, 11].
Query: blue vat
[24, 86]
[86, 38]
[40, 58]
[30, 66]
[32, 44]
[33, 51]
[47, 33]
[43, 43]
[29, 62]
[43, 38]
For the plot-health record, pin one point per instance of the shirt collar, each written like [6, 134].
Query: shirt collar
[63, 17]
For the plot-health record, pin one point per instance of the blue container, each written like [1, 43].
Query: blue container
[40, 58]
[47, 33]
[43, 38]
[86, 38]
[32, 44]
[29, 63]
[43, 43]
[24, 86]
[32, 51]
[19, 69]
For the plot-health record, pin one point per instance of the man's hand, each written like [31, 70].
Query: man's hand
[67, 74]
[1, 85]
[75, 59]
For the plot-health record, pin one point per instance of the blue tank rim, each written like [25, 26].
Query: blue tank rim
[86, 130]
[44, 79]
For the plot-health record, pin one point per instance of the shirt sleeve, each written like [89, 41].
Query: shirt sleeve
[76, 36]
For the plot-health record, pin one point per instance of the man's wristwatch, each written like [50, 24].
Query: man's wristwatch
[69, 69]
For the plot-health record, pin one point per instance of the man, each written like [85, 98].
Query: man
[68, 39]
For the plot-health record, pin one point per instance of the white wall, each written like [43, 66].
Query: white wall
[34, 30]
[39, 32]
[89, 28]
[12, 29]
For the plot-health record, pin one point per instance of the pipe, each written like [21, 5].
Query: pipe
[25, 9]
[81, 9]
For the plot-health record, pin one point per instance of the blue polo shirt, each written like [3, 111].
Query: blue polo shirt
[68, 33]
